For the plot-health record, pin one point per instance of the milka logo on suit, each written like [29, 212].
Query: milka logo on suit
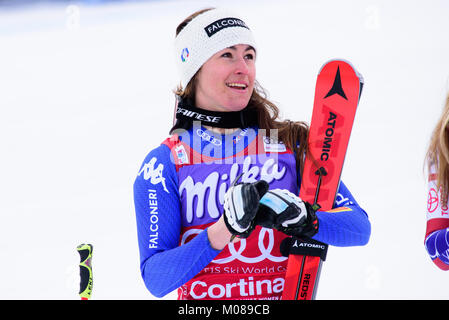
[213, 184]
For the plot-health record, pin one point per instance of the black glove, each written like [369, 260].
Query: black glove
[282, 210]
[241, 203]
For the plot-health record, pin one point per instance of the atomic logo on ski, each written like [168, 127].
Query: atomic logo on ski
[337, 87]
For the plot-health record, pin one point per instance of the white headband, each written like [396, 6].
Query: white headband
[204, 36]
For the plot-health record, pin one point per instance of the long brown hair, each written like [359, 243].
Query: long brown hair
[292, 133]
[438, 152]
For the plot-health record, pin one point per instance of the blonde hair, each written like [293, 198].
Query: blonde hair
[438, 152]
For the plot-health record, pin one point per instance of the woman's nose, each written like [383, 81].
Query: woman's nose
[241, 66]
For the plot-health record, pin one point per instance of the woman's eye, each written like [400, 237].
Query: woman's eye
[226, 55]
[250, 56]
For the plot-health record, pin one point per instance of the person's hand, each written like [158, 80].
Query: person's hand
[282, 210]
[241, 203]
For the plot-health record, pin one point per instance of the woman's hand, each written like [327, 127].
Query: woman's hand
[241, 203]
[284, 211]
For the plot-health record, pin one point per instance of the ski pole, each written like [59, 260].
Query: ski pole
[86, 275]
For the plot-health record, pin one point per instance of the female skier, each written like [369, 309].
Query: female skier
[215, 200]
[436, 238]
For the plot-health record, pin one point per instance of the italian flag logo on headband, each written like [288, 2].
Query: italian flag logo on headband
[184, 54]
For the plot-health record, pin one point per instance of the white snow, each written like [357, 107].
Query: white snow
[86, 92]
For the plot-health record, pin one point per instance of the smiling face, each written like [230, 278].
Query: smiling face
[226, 81]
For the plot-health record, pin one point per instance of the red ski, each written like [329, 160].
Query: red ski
[337, 94]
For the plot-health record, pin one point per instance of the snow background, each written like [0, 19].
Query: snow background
[86, 92]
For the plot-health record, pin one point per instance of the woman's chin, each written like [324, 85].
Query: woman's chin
[236, 105]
